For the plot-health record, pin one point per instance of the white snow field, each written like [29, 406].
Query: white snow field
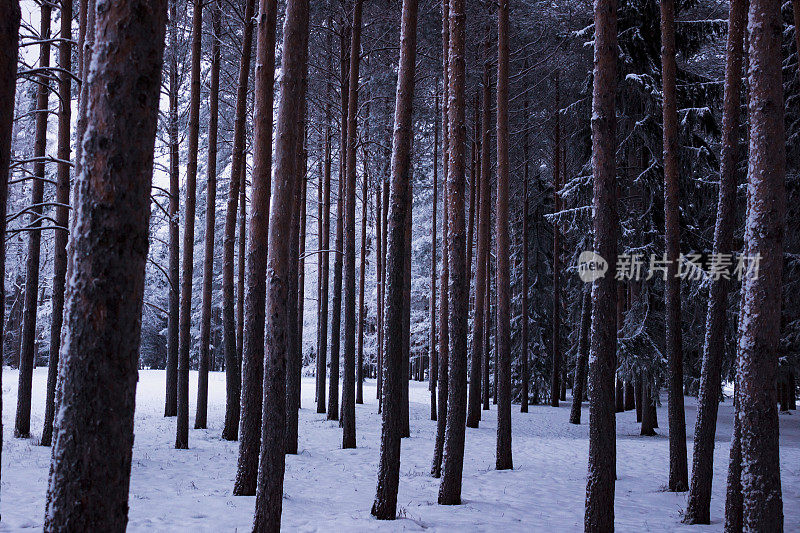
[330, 489]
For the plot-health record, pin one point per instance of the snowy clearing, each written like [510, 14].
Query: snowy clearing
[329, 489]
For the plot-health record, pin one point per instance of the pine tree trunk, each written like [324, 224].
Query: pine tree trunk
[323, 258]
[648, 409]
[171, 394]
[504, 457]
[256, 260]
[348, 380]
[201, 414]
[525, 377]
[279, 324]
[450, 489]
[362, 266]
[88, 487]
[62, 216]
[638, 397]
[432, 352]
[733, 493]
[487, 317]
[555, 377]
[379, 282]
[233, 375]
[385, 505]
[240, 269]
[764, 232]
[22, 423]
[9, 47]
[187, 266]
[582, 364]
[698, 507]
[404, 402]
[602, 355]
[336, 304]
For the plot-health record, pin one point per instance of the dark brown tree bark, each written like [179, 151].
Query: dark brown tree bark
[9, 47]
[22, 423]
[678, 473]
[648, 409]
[241, 267]
[62, 215]
[361, 268]
[432, 352]
[88, 487]
[201, 413]
[187, 266]
[582, 364]
[698, 507]
[336, 304]
[555, 377]
[524, 351]
[322, 348]
[279, 324]
[602, 356]
[762, 503]
[487, 318]
[450, 489]
[379, 261]
[348, 381]
[385, 504]
[233, 375]
[484, 216]
[504, 458]
[733, 493]
[171, 395]
[256, 261]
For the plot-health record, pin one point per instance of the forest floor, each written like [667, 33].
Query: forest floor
[331, 489]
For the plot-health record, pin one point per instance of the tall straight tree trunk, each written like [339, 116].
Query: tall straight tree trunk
[9, 48]
[762, 503]
[524, 351]
[233, 375]
[444, 300]
[336, 304]
[474, 401]
[433, 357]
[348, 381]
[379, 281]
[279, 324]
[487, 318]
[385, 505]
[322, 350]
[257, 249]
[89, 479]
[240, 270]
[201, 414]
[62, 215]
[22, 423]
[582, 364]
[171, 394]
[404, 402]
[600, 481]
[555, 377]
[678, 473]
[362, 266]
[187, 267]
[698, 507]
[450, 489]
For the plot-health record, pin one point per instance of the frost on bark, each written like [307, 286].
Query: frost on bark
[22, 422]
[233, 375]
[256, 257]
[450, 489]
[762, 504]
[600, 480]
[62, 216]
[90, 469]
[187, 259]
[385, 504]
[698, 507]
[678, 472]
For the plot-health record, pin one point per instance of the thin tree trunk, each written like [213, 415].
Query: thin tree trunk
[698, 507]
[582, 365]
[322, 350]
[379, 283]
[524, 351]
[22, 423]
[404, 402]
[62, 215]
[240, 271]
[171, 394]
[362, 266]
[279, 326]
[348, 381]
[487, 314]
[432, 352]
[88, 487]
[474, 400]
[602, 355]
[187, 267]
[385, 505]
[648, 409]
[762, 503]
[504, 457]
[733, 493]
[256, 261]
[450, 489]
[201, 414]
[233, 375]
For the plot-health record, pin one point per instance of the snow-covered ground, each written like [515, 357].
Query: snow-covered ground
[331, 489]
